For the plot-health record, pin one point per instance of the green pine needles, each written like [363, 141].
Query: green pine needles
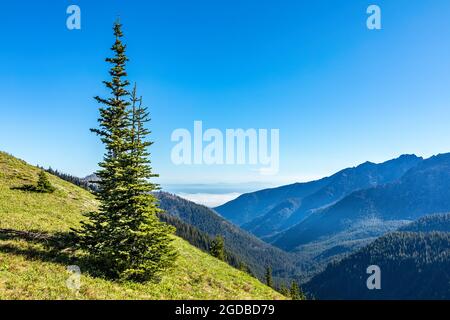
[296, 292]
[43, 184]
[268, 276]
[217, 248]
[124, 237]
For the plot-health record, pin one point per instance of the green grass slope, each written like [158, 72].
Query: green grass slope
[31, 269]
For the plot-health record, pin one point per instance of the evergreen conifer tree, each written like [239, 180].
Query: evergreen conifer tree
[243, 267]
[296, 292]
[43, 184]
[125, 237]
[284, 290]
[218, 248]
[268, 276]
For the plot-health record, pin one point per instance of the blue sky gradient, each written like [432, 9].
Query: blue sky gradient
[339, 93]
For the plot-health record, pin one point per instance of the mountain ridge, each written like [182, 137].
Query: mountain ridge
[423, 190]
[286, 209]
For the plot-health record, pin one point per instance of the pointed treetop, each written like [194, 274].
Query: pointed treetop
[118, 28]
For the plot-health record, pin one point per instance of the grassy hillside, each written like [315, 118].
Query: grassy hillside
[33, 268]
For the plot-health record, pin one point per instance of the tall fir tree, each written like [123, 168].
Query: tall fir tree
[125, 236]
[268, 276]
[218, 248]
[296, 292]
[284, 290]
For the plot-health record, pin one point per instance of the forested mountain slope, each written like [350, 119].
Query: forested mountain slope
[246, 248]
[368, 213]
[414, 264]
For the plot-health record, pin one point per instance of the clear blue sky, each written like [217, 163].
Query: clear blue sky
[339, 93]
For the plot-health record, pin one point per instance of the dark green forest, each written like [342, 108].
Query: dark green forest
[414, 265]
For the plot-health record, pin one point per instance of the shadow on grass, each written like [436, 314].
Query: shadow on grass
[25, 187]
[31, 188]
[54, 247]
[58, 248]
